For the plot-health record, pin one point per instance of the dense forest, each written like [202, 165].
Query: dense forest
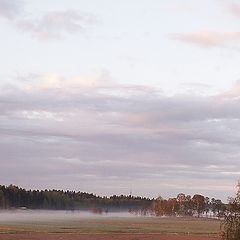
[15, 197]
[12, 197]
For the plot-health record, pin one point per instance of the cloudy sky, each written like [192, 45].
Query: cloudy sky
[114, 97]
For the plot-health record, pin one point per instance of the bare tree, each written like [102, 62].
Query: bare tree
[231, 223]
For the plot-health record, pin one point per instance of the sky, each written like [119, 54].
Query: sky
[120, 97]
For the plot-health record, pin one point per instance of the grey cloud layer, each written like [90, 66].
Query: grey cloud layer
[56, 24]
[9, 9]
[89, 139]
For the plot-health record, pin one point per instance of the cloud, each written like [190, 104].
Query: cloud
[35, 82]
[234, 9]
[56, 24]
[51, 25]
[233, 93]
[208, 39]
[67, 134]
[9, 9]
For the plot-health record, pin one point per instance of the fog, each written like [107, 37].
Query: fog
[55, 215]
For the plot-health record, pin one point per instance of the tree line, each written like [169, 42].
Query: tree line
[183, 205]
[14, 197]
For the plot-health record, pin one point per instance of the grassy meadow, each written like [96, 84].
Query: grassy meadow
[140, 225]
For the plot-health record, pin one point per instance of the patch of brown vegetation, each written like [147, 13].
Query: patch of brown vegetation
[51, 236]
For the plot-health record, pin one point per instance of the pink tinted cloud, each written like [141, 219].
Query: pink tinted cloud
[208, 38]
[234, 9]
[233, 93]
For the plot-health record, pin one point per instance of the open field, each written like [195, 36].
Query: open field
[119, 228]
[49, 236]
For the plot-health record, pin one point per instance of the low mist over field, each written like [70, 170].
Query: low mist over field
[21, 216]
[104, 228]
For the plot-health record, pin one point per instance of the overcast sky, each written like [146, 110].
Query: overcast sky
[121, 96]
